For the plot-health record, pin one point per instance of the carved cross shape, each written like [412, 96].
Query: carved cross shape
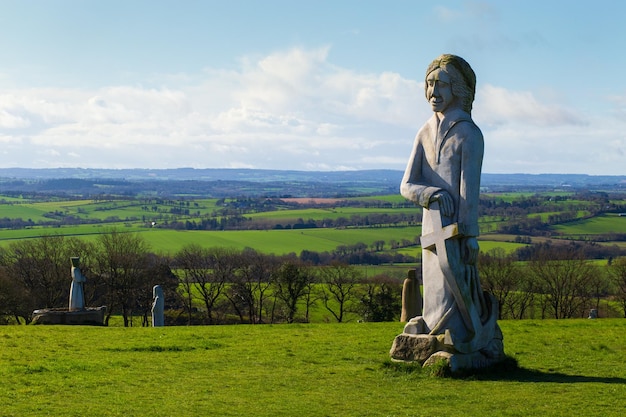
[437, 241]
[437, 238]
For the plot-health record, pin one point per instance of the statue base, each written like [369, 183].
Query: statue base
[428, 350]
[91, 316]
[415, 345]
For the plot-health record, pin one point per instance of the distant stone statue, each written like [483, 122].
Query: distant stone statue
[458, 323]
[158, 307]
[77, 292]
[411, 297]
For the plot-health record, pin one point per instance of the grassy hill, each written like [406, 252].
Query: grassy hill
[573, 367]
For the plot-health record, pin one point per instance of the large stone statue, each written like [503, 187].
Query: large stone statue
[158, 307]
[77, 293]
[458, 322]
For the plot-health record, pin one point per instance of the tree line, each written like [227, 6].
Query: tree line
[555, 281]
[221, 285]
[201, 285]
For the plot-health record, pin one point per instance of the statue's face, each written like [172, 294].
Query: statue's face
[439, 91]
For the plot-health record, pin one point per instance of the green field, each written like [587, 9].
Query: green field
[267, 241]
[566, 368]
[609, 223]
[135, 215]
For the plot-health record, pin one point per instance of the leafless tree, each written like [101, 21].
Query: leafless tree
[381, 299]
[42, 267]
[248, 292]
[338, 290]
[205, 272]
[617, 271]
[157, 272]
[499, 275]
[14, 300]
[512, 285]
[121, 264]
[291, 285]
[564, 279]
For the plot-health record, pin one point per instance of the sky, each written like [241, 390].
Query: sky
[306, 85]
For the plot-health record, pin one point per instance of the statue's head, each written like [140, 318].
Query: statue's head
[75, 261]
[460, 76]
[157, 291]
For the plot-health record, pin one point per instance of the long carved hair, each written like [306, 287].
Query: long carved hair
[462, 76]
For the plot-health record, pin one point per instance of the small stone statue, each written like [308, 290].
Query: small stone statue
[158, 316]
[411, 297]
[77, 293]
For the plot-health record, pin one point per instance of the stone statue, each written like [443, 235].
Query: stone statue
[77, 293]
[411, 297]
[458, 321]
[158, 315]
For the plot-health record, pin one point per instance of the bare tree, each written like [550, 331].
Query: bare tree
[617, 271]
[121, 264]
[14, 300]
[382, 299]
[157, 272]
[254, 278]
[291, 285]
[564, 278]
[338, 291]
[499, 275]
[42, 267]
[205, 272]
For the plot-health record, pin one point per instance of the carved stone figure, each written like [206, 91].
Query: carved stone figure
[158, 313]
[411, 297]
[77, 292]
[458, 321]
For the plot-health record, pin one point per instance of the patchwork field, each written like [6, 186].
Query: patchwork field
[138, 215]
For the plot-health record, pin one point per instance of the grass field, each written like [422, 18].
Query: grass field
[566, 368]
[266, 241]
[596, 225]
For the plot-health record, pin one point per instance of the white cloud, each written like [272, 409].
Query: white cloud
[497, 105]
[289, 110]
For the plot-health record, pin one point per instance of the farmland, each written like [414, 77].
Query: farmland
[290, 225]
[526, 239]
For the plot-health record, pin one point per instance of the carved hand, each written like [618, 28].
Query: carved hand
[446, 203]
[471, 249]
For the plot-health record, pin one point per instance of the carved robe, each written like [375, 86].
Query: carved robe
[447, 155]
[77, 293]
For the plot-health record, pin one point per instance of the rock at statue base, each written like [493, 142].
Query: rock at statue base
[428, 350]
[91, 316]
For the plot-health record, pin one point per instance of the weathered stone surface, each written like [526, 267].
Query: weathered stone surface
[443, 177]
[415, 347]
[77, 292]
[158, 305]
[89, 316]
[411, 297]
[427, 350]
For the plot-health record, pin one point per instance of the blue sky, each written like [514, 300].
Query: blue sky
[320, 85]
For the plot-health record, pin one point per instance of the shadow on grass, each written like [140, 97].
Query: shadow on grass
[507, 370]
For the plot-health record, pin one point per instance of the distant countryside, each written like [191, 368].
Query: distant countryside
[272, 247]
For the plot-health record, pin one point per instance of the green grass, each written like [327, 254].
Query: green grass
[567, 368]
[330, 213]
[267, 241]
[608, 223]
